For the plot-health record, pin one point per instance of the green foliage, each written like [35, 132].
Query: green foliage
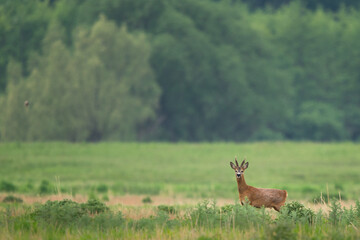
[319, 122]
[60, 213]
[147, 200]
[66, 213]
[46, 188]
[102, 188]
[335, 213]
[6, 186]
[105, 198]
[295, 211]
[282, 230]
[207, 215]
[94, 206]
[330, 197]
[69, 219]
[137, 188]
[167, 209]
[22, 28]
[12, 199]
[106, 91]
[180, 70]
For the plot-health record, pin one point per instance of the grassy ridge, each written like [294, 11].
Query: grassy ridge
[194, 170]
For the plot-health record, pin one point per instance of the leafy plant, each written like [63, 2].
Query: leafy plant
[94, 206]
[102, 188]
[45, 187]
[12, 199]
[335, 213]
[296, 212]
[147, 200]
[167, 209]
[6, 186]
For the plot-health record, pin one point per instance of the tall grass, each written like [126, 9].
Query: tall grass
[71, 220]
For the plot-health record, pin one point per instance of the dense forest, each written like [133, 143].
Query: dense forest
[189, 70]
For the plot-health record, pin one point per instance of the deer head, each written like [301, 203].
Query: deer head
[239, 170]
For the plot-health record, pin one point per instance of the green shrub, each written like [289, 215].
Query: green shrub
[105, 198]
[167, 209]
[58, 213]
[12, 199]
[67, 212]
[227, 208]
[145, 223]
[46, 188]
[161, 219]
[206, 214]
[335, 213]
[339, 186]
[92, 195]
[94, 206]
[357, 209]
[102, 188]
[102, 221]
[7, 186]
[146, 200]
[296, 212]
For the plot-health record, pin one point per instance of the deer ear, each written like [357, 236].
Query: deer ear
[246, 165]
[232, 165]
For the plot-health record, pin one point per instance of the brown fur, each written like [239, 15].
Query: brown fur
[258, 197]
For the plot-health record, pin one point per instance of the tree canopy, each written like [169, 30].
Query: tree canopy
[225, 70]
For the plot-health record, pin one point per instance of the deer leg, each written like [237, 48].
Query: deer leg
[277, 208]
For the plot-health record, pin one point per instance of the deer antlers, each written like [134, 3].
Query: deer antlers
[242, 164]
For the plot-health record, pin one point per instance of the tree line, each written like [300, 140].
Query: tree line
[179, 70]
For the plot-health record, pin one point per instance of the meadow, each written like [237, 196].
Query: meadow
[322, 181]
[189, 170]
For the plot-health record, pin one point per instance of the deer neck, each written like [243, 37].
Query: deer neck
[242, 186]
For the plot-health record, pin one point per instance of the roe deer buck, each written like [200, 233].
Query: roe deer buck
[258, 197]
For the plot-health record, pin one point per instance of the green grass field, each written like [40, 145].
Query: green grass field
[202, 170]
[181, 170]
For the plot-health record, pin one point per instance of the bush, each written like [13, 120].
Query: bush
[146, 200]
[102, 188]
[167, 209]
[58, 213]
[12, 199]
[206, 214]
[105, 198]
[94, 206]
[67, 212]
[296, 212]
[335, 213]
[7, 186]
[46, 188]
